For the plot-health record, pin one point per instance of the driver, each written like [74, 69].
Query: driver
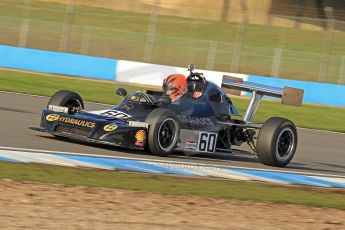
[175, 86]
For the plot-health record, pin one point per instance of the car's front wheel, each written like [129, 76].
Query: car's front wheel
[164, 131]
[277, 142]
[69, 99]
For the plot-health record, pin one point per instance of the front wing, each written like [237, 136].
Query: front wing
[83, 127]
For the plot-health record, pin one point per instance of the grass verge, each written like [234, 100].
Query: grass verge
[174, 185]
[309, 116]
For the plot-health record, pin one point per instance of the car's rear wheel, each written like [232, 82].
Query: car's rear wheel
[69, 99]
[277, 142]
[164, 131]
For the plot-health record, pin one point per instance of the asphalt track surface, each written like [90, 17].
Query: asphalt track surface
[318, 151]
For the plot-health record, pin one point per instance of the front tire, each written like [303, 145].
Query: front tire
[164, 132]
[277, 142]
[69, 99]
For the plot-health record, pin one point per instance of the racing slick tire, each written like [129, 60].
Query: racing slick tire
[163, 133]
[69, 99]
[277, 142]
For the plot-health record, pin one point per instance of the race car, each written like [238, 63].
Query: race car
[190, 115]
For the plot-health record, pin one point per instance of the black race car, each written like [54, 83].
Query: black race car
[150, 120]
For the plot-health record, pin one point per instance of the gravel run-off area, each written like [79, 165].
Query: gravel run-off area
[34, 205]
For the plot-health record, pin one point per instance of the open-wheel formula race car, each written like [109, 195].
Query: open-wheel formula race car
[200, 119]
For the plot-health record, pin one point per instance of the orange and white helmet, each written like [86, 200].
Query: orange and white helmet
[175, 86]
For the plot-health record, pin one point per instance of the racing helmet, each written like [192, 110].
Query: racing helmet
[174, 86]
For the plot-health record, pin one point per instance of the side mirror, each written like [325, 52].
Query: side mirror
[121, 92]
[191, 67]
[164, 100]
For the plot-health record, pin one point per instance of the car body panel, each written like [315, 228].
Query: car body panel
[198, 117]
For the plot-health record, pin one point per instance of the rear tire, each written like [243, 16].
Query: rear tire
[69, 99]
[277, 142]
[164, 132]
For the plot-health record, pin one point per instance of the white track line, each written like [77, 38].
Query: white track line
[169, 161]
[324, 131]
[335, 180]
[32, 95]
[28, 157]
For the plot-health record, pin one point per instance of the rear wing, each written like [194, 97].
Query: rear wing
[288, 95]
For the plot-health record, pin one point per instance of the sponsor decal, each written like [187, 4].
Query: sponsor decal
[190, 145]
[59, 109]
[116, 114]
[138, 124]
[52, 117]
[72, 121]
[110, 128]
[207, 142]
[141, 137]
[195, 120]
[198, 102]
[127, 107]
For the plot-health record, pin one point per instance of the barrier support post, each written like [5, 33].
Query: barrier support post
[327, 49]
[67, 26]
[85, 40]
[24, 28]
[275, 70]
[211, 57]
[341, 79]
[151, 33]
[24, 32]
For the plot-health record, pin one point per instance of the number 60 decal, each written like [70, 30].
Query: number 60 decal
[207, 142]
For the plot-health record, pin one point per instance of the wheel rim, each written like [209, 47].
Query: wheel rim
[285, 144]
[167, 133]
[73, 105]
